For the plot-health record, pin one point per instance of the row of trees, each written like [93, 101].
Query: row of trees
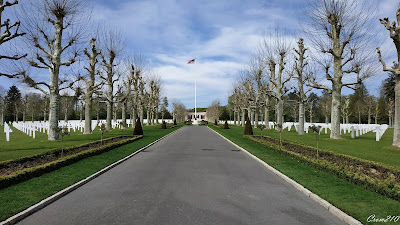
[15, 106]
[340, 34]
[52, 37]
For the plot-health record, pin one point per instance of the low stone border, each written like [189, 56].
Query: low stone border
[331, 208]
[40, 205]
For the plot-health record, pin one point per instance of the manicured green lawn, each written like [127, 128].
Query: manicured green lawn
[352, 199]
[19, 197]
[21, 145]
[364, 147]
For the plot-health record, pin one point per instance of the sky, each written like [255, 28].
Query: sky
[222, 35]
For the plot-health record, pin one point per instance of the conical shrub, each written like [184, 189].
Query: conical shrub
[248, 130]
[226, 126]
[163, 125]
[138, 128]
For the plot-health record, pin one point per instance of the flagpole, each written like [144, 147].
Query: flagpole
[195, 99]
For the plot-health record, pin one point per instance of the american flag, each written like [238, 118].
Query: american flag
[191, 61]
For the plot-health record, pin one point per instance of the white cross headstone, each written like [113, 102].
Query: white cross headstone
[352, 132]
[7, 130]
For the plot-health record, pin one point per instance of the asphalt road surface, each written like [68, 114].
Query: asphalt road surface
[191, 177]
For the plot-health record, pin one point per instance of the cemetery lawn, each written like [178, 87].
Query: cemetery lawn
[21, 145]
[363, 147]
[352, 199]
[20, 196]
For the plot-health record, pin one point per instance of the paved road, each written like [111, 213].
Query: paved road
[191, 177]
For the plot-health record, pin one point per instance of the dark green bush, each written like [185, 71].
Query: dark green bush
[163, 125]
[226, 126]
[138, 128]
[248, 130]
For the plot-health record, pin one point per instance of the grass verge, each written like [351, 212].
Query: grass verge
[20, 196]
[352, 199]
[21, 145]
[363, 147]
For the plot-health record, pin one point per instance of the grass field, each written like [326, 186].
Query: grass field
[364, 147]
[352, 199]
[19, 197]
[21, 145]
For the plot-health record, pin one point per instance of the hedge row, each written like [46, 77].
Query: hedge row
[23, 175]
[345, 167]
[56, 151]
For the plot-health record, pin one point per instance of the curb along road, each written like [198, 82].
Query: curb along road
[331, 208]
[38, 206]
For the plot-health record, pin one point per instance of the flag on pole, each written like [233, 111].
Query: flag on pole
[192, 61]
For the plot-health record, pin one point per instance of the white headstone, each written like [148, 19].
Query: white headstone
[7, 130]
[352, 132]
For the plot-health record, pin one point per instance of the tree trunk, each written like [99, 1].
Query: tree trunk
[66, 116]
[243, 115]
[123, 126]
[266, 117]
[396, 135]
[53, 115]
[141, 115]
[148, 117]
[279, 111]
[359, 117]
[369, 116]
[110, 102]
[133, 116]
[335, 111]
[88, 114]
[256, 118]
[156, 117]
[301, 118]
[109, 115]
[81, 113]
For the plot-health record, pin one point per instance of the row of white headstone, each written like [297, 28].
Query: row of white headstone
[31, 127]
[356, 130]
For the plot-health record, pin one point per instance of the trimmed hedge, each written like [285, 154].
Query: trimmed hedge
[26, 174]
[385, 179]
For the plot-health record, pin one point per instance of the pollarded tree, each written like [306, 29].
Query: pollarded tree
[164, 106]
[67, 103]
[49, 25]
[214, 111]
[90, 82]
[256, 73]
[112, 48]
[338, 30]
[178, 111]
[346, 109]
[300, 64]
[394, 32]
[153, 98]
[276, 50]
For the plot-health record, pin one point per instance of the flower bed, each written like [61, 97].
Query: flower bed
[374, 176]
